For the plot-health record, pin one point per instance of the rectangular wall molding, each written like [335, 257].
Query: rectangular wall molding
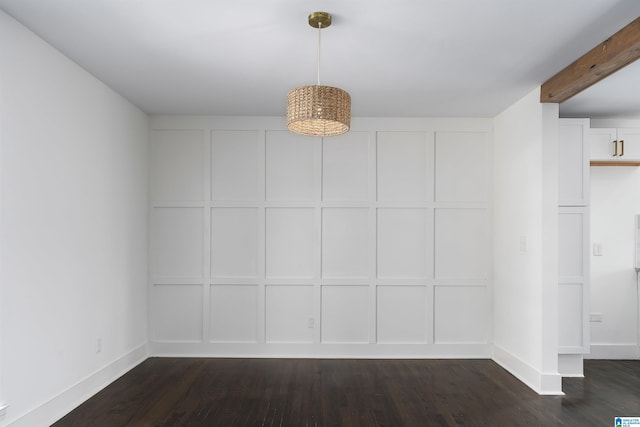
[374, 243]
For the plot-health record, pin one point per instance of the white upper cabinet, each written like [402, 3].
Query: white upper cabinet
[615, 145]
[630, 140]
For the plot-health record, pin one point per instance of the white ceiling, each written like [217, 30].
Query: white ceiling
[400, 58]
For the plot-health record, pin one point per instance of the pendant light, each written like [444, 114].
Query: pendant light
[318, 110]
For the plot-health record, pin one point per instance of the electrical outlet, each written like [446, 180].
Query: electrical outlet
[311, 322]
[99, 346]
[595, 317]
[597, 249]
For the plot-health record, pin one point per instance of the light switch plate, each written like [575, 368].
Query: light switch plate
[597, 249]
[523, 244]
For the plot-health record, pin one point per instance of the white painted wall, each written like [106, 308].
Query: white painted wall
[525, 242]
[615, 200]
[551, 381]
[614, 292]
[73, 230]
[376, 243]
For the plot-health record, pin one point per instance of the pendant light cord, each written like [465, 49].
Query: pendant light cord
[319, 40]
[318, 61]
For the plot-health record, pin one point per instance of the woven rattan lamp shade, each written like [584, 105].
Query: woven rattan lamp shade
[318, 110]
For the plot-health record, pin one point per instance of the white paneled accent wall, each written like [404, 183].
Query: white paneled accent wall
[375, 243]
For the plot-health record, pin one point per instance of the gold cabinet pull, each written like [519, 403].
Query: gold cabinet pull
[621, 147]
[615, 147]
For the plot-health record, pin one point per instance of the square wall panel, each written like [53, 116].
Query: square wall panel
[462, 244]
[462, 166]
[290, 166]
[177, 242]
[345, 166]
[234, 165]
[403, 166]
[234, 243]
[345, 242]
[176, 313]
[345, 314]
[402, 314]
[461, 315]
[177, 168]
[234, 313]
[402, 243]
[570, 243]
[288, 310]
[291, 242]
[570, 315]
[571, 182]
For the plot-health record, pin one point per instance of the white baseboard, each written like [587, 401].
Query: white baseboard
[57, 407]
[318, 351]
[541, 383]
[613, 352]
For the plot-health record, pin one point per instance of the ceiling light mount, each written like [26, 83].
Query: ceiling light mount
[319, 110]
[320, 19]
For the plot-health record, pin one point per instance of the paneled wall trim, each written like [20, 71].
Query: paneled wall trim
[573, 239]
[265, 243]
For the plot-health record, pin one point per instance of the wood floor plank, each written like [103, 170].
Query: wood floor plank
[308, 392]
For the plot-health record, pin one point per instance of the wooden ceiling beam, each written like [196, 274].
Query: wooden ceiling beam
[617, 51]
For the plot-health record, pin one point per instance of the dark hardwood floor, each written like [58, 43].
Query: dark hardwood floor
[308, 392]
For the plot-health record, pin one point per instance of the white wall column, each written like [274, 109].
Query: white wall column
[525, 243]
[551, 381]
[2, 85]
[3, 59]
